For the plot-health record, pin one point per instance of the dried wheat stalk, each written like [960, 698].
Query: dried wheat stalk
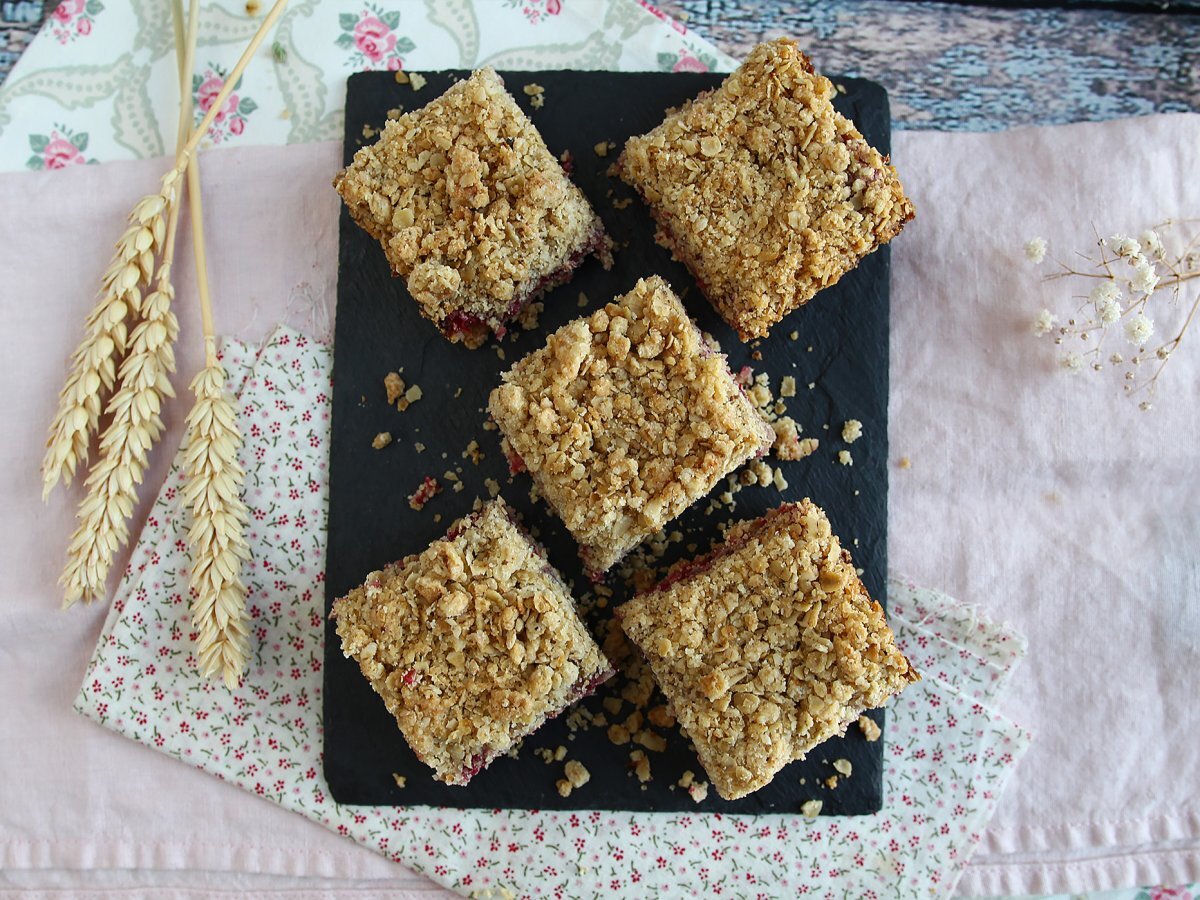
[94, 364]
[217, 533]
[148, 359]
[134, 427]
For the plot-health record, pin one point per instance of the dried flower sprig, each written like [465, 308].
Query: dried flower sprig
[1136, 282]
[217, 532]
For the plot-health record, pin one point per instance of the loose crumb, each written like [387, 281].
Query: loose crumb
[787, 386]
[852, 431]
[400, 780]
[473, 453]
[601, 149]
[381, 440]
[870, 730]
[788, 444]
[845, 458]
[419, 447]
[844, 767]
[536, 94]
[698, 791]
[429, 489]
[650, 740]
[492, 485]
[394, 385]
[795, 336]
[661, 717]
[401, 77]
[576, 776]
[905, 463]
[811, 809]
[582, 301]
[417, 80]
[686, 780]
[576, 773]
[831, 782]
[641, 765]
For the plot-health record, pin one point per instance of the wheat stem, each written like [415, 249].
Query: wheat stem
[214, 483]
[217, 532]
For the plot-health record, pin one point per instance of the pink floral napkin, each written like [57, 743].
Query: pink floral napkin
[948, 751]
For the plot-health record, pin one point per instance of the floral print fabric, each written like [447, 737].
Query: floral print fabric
[108, 69]
[947, 757]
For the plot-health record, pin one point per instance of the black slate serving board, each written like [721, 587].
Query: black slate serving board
[842, 350]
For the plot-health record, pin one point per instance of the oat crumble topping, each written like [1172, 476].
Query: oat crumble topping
[765, 191]
[766, 647]
[472, 644]
[624, 419]
[471, 208]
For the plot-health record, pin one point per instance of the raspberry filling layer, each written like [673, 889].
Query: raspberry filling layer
[583, 689]
[473, 326]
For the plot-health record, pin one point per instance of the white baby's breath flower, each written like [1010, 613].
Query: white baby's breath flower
[1072, 362]
[1153, 243]
[1145, 279]
[1124, 246]
[1035, 250]
[1105, 290]
[1044, 322]
[1138, 329]
[1106, 297]
[1109, 312]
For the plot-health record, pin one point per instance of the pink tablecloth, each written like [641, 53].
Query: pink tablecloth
[1048, 500]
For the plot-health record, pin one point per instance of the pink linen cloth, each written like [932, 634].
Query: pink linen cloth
[1102, 581]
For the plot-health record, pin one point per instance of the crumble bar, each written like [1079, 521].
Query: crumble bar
[763, 190]
[472, 644]
[624, 419]
[471, 209]
[766, 646]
